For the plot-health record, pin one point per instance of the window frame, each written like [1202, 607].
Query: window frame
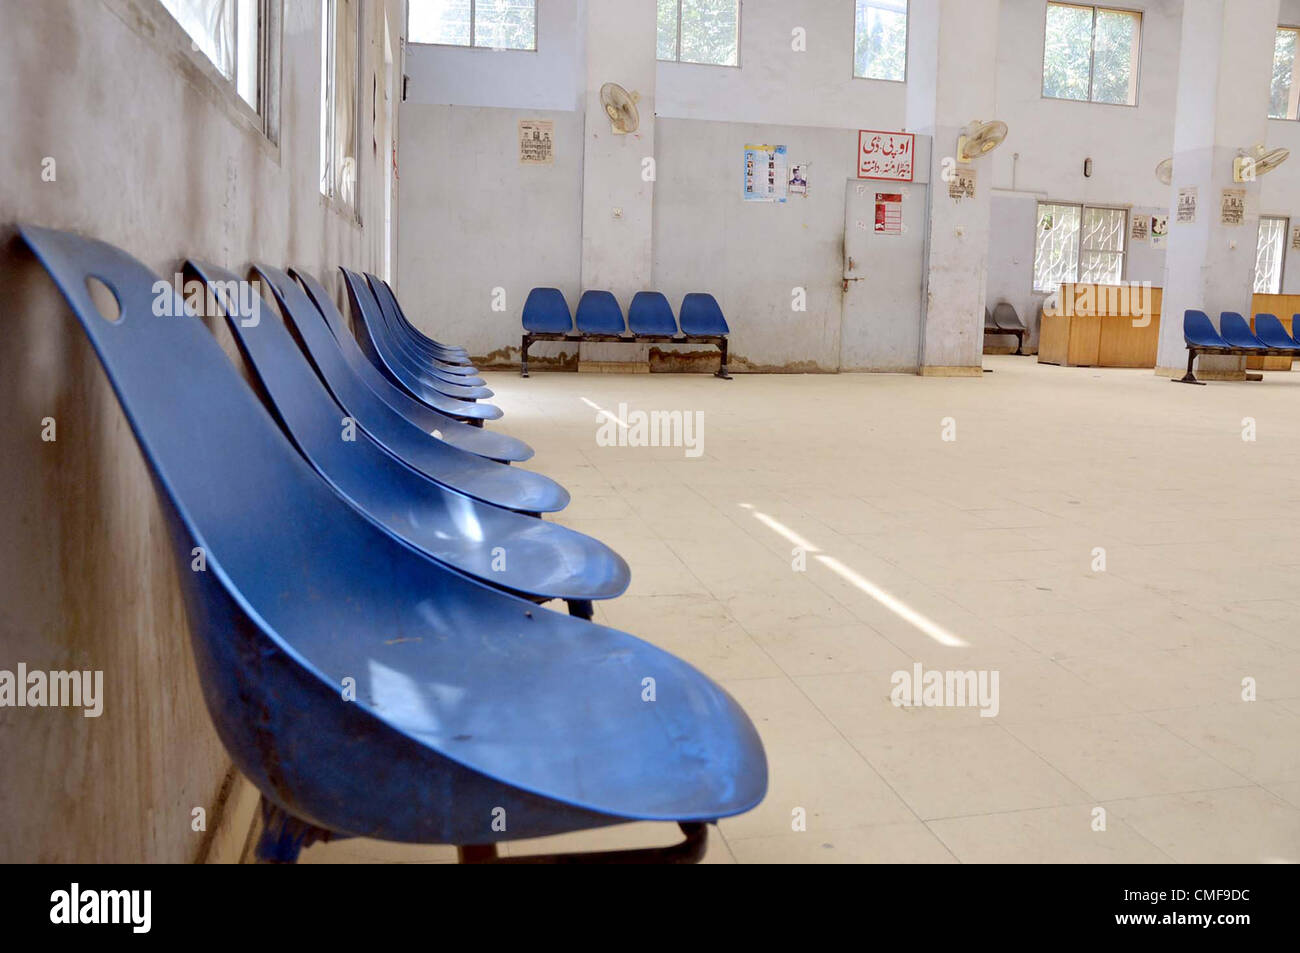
[1293, 100]
[740, 17]
[265, 115]
[907, 60]
[1092, 54]
[1281, 258]
[473, 22]
[333, 198]
[1080, 250]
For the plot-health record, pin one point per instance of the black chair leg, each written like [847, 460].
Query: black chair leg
[523, 356]
[1189, 377]
[582, 608]
[722, 367]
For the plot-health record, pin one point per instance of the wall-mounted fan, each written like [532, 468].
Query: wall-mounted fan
[1165, 170]
[620, 106]
[980, 138]
[1254, 162]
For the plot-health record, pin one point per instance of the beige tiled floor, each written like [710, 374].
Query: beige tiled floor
[1119, 689]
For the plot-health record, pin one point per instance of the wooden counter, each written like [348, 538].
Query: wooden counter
[1094, 326]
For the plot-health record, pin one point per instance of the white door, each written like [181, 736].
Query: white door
[884, 268]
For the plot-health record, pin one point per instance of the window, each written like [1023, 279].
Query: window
[700, 31]
[340, 98]
[494, 24]
[1270, 252]
[1078, 243]
[880, 47]
[237, 36]
[1284, 101]
[1091, 54]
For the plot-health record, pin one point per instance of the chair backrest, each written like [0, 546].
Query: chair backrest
[546, 312]
[1270, 330]
[1199, 330]
[1234, 329]
[1005, 316]
[700, 316]
[599, 313]
[650, 313]
[989, 323]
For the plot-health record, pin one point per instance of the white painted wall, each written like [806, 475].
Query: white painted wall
[775, 90]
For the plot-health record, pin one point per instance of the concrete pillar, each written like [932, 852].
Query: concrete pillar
[617, 196]
[950, 82]
[1224, 72]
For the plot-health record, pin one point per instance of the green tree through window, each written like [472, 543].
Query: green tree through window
[1091, 54]
[699, 31]
[880, 40]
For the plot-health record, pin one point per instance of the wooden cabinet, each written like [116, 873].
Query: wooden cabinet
[1101, 326]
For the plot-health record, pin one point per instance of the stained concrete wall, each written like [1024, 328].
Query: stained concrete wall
[151, 153]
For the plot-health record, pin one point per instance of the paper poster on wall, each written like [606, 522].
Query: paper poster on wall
[961, 183]
[1141, 228]
[1159, 230]
[1295, 237]
[886, 155]
[1232, 206]
[537, 141]
[766, 177]
[1186, 205]
[799, 179]
[889, 213]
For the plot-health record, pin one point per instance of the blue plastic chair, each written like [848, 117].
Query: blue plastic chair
[469, 473]
[419, 359]
[327, 349]
[546, 317]
[542, 560]
[349, 372]
[387, 355]
[450, 361]
[701, 318]
[1273, 335]
[363, 688]
[650, 315]
[1201, 337]
[453, 355]
[424, 387]
[546, 312]
[1236, 332]
[599, 316]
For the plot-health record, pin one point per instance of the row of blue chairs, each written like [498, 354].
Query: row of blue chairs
[600, 318]
[1234, 336]
[368, 623]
